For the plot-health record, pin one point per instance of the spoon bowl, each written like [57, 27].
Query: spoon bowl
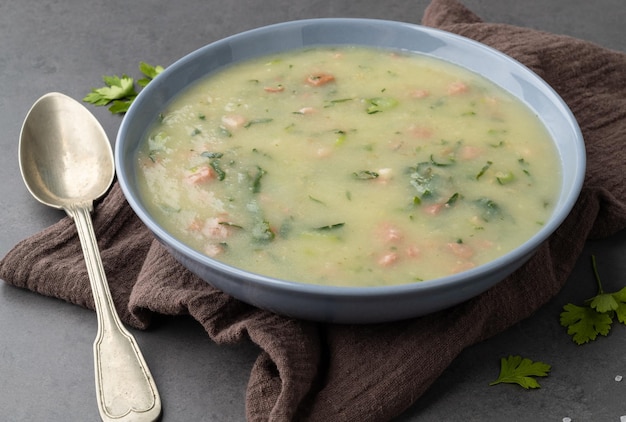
[58, 167]
[66, 162]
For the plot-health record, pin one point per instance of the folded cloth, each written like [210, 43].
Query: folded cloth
[319, 372]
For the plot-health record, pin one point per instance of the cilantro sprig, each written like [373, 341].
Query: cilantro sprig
[521, 371]
[596, 316]
[119, 91]
[150, 72]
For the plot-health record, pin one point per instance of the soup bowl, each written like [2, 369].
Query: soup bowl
[353, 304]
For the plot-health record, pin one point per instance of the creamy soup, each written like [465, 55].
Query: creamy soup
[349, 166]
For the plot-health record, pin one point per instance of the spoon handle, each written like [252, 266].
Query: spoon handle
[125, 388]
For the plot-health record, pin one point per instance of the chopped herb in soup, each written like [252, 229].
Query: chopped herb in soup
[349, 166]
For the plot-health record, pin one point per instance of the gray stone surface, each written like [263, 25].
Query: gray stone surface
[46, 365]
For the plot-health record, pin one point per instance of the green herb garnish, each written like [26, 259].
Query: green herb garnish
[330, 227]
[380, 104]
[210, 154]
[518, 370]
[488, 209]
[256, 179]
[215, 165]
[439, 163]
[584, 323]
[257, 121]
[483, 170]
[365, 175]
[262, 232]
[119, 91]
[453, 199]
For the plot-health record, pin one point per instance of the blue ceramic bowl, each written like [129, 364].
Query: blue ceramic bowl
[354, 304]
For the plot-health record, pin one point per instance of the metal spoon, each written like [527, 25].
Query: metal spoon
[66, 162]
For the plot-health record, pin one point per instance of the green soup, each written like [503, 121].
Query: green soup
[349, 166]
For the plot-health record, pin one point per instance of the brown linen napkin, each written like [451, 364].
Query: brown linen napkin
[320, 372]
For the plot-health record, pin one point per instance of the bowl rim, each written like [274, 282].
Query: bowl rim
[247, 277]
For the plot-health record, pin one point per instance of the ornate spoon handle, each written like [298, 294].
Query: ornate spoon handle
[125, 388]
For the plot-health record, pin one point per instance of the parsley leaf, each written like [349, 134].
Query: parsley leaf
[150, 72]
[620, 296]
[119, 91]
[116, 88]
[584, 323]
[121, 106]
[518, 370]
[604, 302]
